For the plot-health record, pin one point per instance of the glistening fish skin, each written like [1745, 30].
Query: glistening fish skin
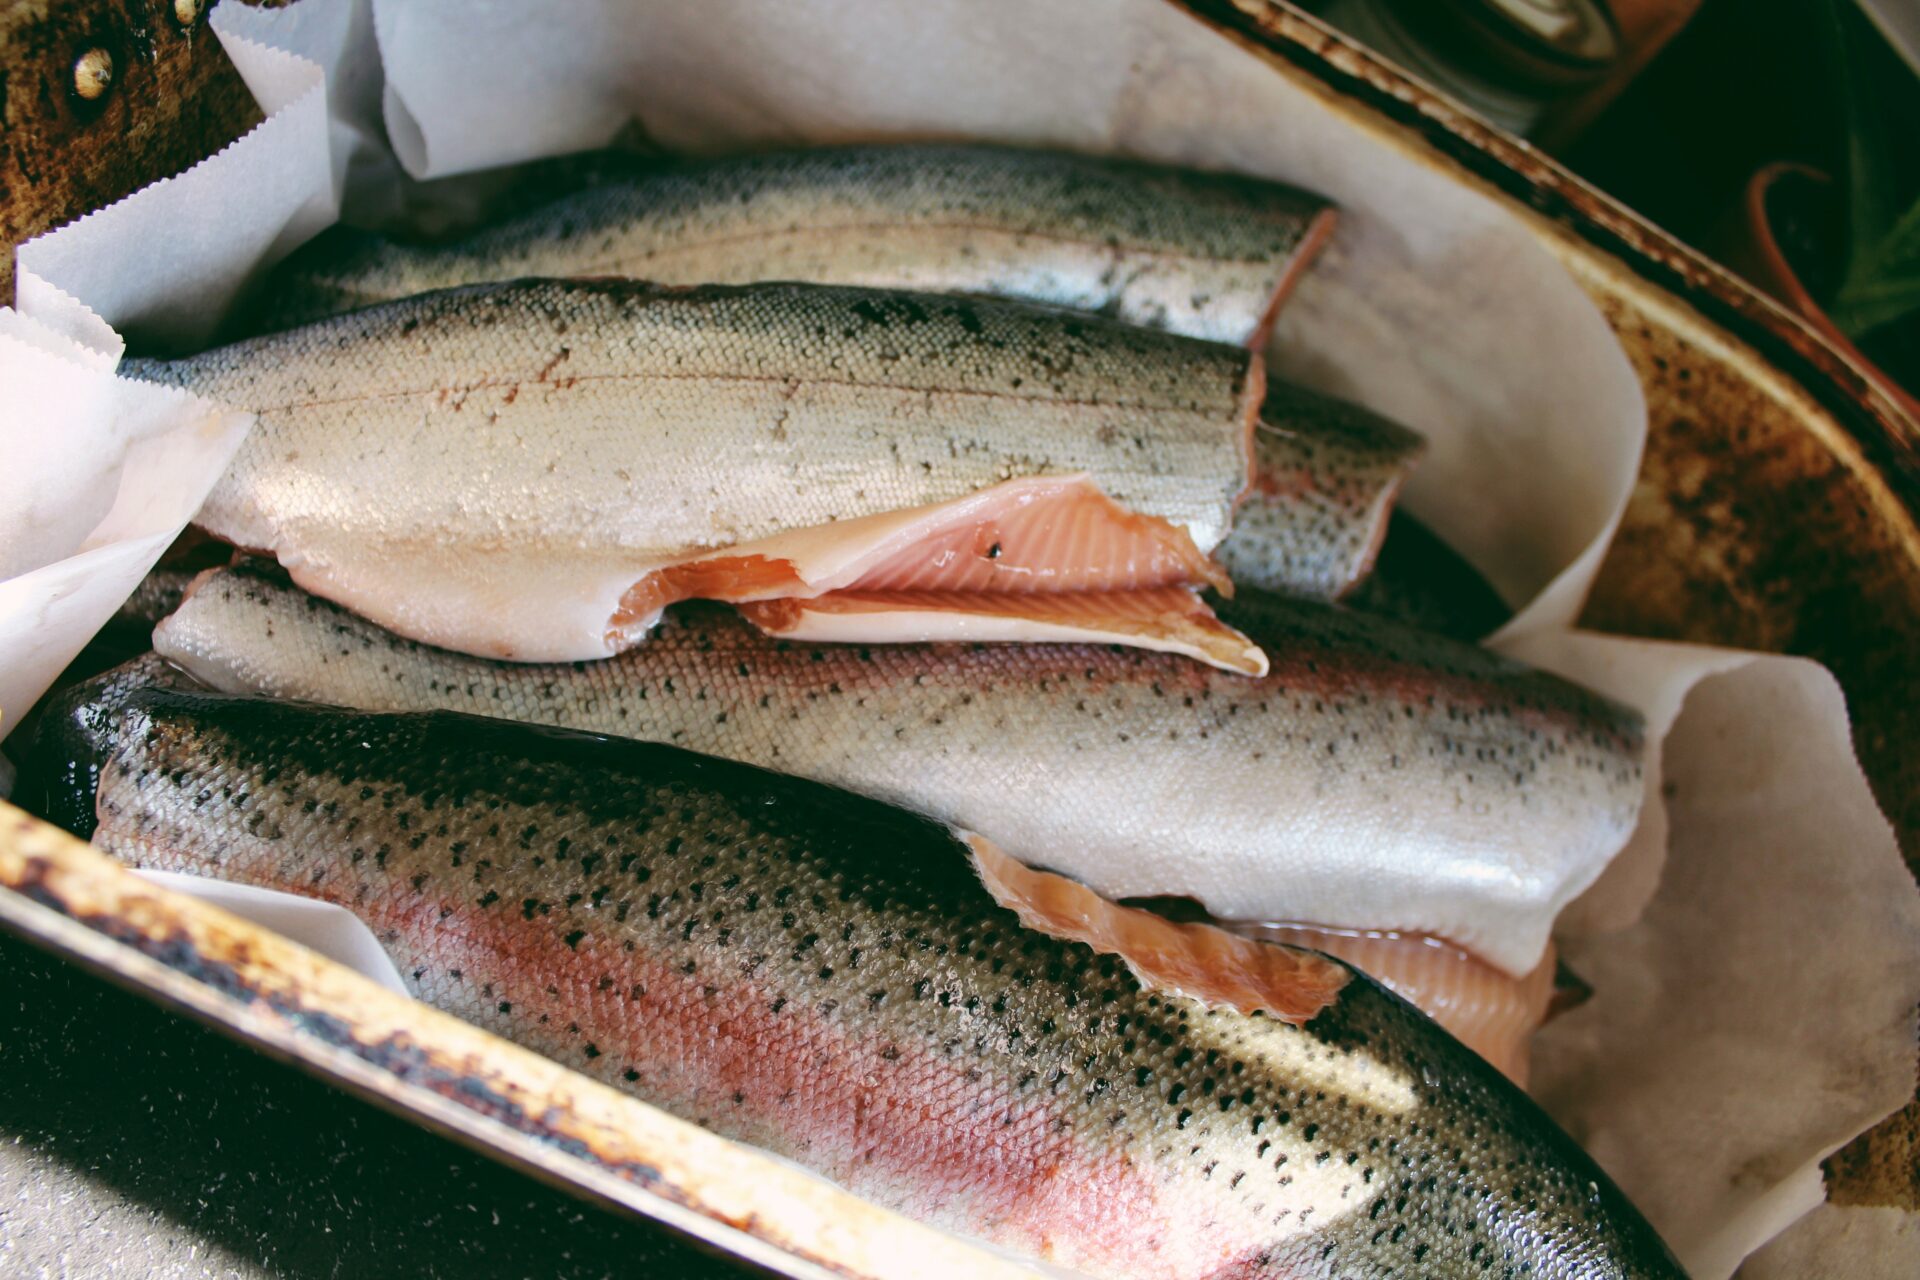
[1207, 255]
[493, 469]
[827, 977]
[1376, 778]
[1326, 473]
[1419, 580]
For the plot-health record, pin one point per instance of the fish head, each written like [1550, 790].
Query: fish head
[78, 731]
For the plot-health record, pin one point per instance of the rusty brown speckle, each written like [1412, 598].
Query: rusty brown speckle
[60, 892]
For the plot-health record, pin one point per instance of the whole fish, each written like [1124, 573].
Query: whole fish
[1207, 255]
[1376, 778]
[858, 989]
[247, 630]
[533, 470]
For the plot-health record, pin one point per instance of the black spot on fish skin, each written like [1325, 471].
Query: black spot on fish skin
[925, 927]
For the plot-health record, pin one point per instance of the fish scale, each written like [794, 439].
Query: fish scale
[497, 468]
[1208, 255]
[829, 978]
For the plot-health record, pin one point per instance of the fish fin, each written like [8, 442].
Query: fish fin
[1338, 461]
[1167, 619]
[1199, 961]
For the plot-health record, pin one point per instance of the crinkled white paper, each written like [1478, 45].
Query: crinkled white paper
[321, 925]
[101, 473]
[1854, 1243]
[1756, 952]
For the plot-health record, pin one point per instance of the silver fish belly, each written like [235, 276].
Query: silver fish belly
[532, 470]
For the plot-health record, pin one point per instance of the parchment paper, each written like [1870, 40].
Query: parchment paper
[101, 473]
[1860, 1244]
[1756, 1015]
[319, 925]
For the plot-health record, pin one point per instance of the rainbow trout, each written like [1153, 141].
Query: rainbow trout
[532, 471]
[858, 989]
[1207, 255]
[1375, 778]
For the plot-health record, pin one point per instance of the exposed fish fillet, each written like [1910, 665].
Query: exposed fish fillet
[495, 469]
[1208, 255]
[1171, 945]
[1197, 960]
[1493, 1013]
[1163, 619]
[1034, 536]
[1040, 558]
[1376, 778]
[828, 978]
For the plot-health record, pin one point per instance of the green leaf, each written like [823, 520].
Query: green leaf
[1883, 283]
[1870, 201]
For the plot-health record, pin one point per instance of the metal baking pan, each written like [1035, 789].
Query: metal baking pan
[1774, 511]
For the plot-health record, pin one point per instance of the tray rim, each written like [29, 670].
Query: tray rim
[490, 1095]
[1561, 202]
[1600, 241]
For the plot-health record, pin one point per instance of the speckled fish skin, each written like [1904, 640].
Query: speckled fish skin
[1419, 580]
[827, 977]
[1326, 473]
[1376, 778]
[1207, 255]
[491, 468]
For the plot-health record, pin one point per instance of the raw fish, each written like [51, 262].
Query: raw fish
[857, 988]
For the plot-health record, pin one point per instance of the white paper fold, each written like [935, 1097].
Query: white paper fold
[1756, 989]
[162, 266]
[101, 474]
[1752, 1021]
[332, 931]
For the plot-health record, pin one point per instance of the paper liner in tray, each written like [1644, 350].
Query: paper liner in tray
[1755, 1015]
